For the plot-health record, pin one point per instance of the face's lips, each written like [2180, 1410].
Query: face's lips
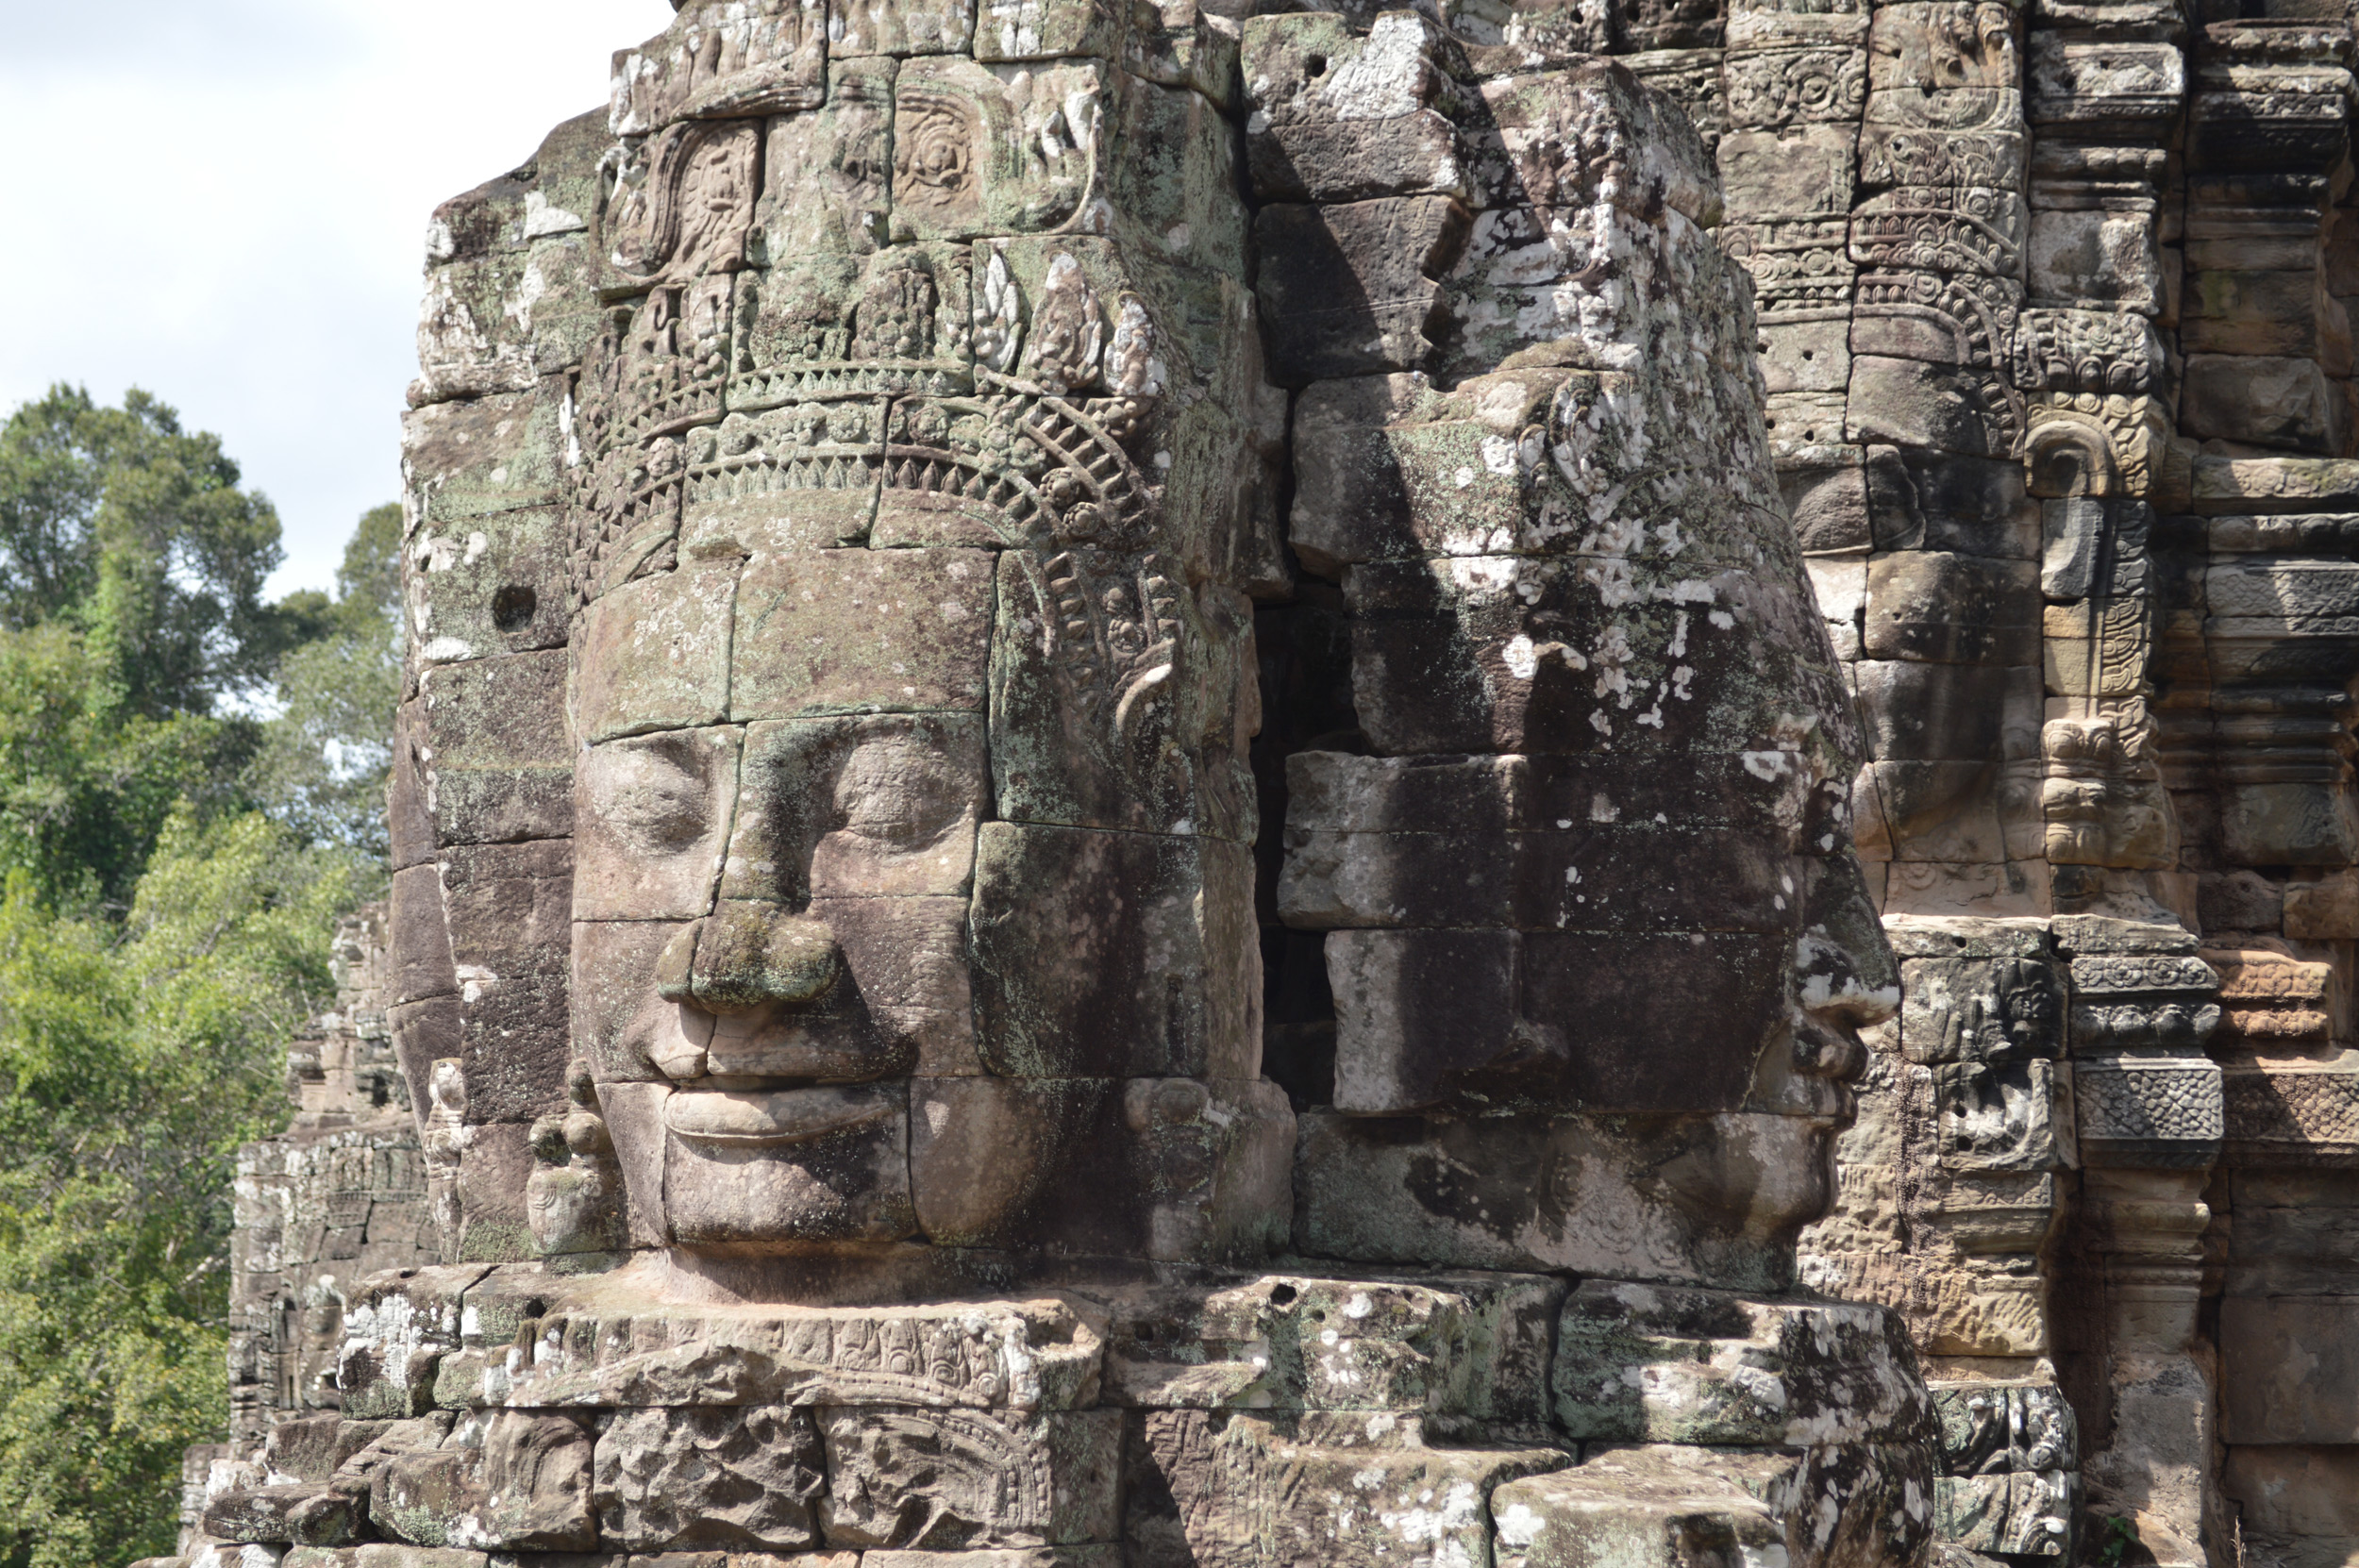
[756, 1117]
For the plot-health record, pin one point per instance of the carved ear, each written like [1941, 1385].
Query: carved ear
[2068, 457]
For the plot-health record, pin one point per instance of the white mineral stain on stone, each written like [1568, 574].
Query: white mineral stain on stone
[543, 218]
[1387, 77]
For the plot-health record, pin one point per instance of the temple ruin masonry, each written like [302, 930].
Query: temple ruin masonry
[1496, 786]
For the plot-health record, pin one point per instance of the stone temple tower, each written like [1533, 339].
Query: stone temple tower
[1481, 786]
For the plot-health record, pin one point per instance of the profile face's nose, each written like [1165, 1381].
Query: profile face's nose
[747, 956]
[1845, 974]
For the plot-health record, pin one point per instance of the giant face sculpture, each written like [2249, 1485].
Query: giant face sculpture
[918, 481]
[912, 892]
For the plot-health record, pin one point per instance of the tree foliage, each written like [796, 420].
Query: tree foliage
[322, 764]
[173, 855]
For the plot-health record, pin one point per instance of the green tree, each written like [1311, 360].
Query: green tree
[323, 760]
[131, 625]
[134, 1058]
[172, 861]
[134, 531]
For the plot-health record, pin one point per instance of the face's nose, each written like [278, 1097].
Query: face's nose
[747, 956]
[1844, 975]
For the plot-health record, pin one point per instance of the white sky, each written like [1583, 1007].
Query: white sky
[224, 202]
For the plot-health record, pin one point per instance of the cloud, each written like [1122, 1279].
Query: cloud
[224, 204]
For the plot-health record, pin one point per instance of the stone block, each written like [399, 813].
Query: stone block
[1923, 500]
[775, 62]
[1804, 169]
[2028, 1514]
[1182, 1169]
[883, 807]
[508, 1035]
[654, 654]
[420, 933]
[2293, 1489]
[1083, 734]
[756, 1172]
[2247, 901]
[827, 171]
[838, 631]
[505, 712]
[494, 1164]
[1435, 1019]
[1974, 229]
[1998, 1117]
[2292, 1359]
[1801, 421]
[1113, 954]
[2289, 824]
[1978, 1009]
[1657, 1364]
[2268, 401]
[1449, 1344]
[727, 1477]
[1840, 586]
[1205, 1483]
[2002, 1428]
[652, 815]
[1805, 356]
[498, 805]
[1952, 608]
[1026, 1557]
[2316, 598]
[1926, 812]
[311, 1513]
[1351, 499]
[480, 457]
[1337, 117]
[899, 1478]
[505, 1478]
[487, 584]
[1435, 1194]
[2324, 910]
[1669, 1504]
[1046, 29]
[1355, 289]
[1933, 712]
[1825, 492]
[1777, 88]
[1508, 654]
[1893, 153]
[2147, 1112]
[2252, 312]
[1609, 879]
[2099, 255]
[1908, 402]
[619, 1022]
[508, 907]
[871, 27]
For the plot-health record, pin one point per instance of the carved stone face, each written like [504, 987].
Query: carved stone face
[912, 892]
[816, 962]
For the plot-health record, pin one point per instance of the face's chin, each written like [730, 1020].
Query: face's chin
[761, 1171]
